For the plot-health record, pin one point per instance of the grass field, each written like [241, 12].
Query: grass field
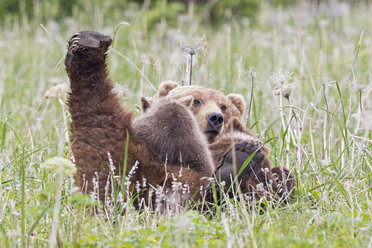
[321, 131]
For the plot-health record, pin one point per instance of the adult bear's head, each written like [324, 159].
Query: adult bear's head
[213, 110]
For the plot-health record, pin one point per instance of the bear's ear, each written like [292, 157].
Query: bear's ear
[165, 87]
[238, 101]
[146, 103]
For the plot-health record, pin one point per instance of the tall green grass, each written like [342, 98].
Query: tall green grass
[321, 131]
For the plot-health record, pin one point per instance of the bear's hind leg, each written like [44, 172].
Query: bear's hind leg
[99, 122]
[91, 88]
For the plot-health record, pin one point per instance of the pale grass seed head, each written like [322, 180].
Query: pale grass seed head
[56, 92]
[284, 90]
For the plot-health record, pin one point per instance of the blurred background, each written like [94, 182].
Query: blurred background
[150, 12]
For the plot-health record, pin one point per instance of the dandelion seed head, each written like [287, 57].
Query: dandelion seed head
[251, 72]
[194, 48]
[361, 87]
[281, 76]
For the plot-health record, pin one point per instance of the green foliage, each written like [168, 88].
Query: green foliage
[285, 3]
[222, 10]
[152, 12]
[318, 131]
[162, 11]
[45, 8]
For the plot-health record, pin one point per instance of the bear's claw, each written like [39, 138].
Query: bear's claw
[86, 52]
[89, 40]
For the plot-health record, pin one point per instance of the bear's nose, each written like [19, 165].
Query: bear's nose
[215, 120]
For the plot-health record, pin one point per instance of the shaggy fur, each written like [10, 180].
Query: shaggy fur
[177, 137]
[173, 141]
[258, 178]
[99, 123]
[167, 135]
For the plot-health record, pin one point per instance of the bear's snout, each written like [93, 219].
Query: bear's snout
[215, 120]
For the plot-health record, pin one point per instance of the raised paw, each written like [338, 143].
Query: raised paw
[86, 53]
[85, 40]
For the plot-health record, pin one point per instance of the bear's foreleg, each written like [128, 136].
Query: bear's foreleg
[178, 146]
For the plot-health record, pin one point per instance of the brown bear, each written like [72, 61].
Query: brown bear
[257, 178]
[184, 137]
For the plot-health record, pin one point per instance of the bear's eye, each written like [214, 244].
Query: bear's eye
[223, 107]
[197, 102]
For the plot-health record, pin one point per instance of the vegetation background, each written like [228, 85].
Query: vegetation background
[310, 66]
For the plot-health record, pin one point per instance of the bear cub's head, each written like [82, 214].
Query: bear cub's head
[212, 109]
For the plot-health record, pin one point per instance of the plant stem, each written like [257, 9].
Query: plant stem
[250, 100]
[190, 75]
[23, 201]
[57, 206]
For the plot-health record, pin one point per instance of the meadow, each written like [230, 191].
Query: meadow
[311, 73]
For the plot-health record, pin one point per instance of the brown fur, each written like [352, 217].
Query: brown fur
[98, 120]
[166, 134]
[258, 177]
[171, 132]
[212, 101]
[172, 141]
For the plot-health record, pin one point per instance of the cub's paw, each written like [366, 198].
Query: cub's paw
[243, 151]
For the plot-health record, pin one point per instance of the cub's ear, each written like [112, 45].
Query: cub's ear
[146, 103]
[165, 87]
[238, 101]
